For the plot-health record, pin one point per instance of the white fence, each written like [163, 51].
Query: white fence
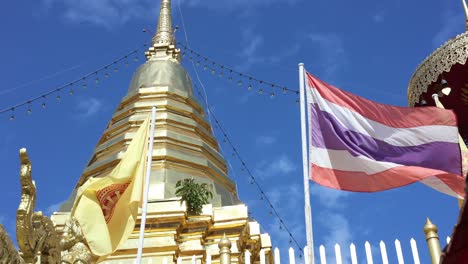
[370, 256]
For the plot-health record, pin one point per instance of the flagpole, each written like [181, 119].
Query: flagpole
[146, 191]
[305, 169]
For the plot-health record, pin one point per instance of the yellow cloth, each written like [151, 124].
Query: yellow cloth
[121, 190]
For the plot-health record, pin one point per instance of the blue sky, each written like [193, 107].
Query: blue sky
[370, 48]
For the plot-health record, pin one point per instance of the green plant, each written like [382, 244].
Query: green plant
[195, 195]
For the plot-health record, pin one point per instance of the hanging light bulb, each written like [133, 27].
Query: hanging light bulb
[116, 69]
[297, 101]
[445, 88]
[220, 74]
[29, 111]
[239, 83]
[96, 80]
[135, 59]
[285, 90]
[213, 71]
[260, 91]
[271, 213]
[251, 180]
[85, 86]
[126, 61]
[249, 87]
[272, 95]
[197, 63]
[58, 98]
[43, 105]
[205, 67]
[72, 92]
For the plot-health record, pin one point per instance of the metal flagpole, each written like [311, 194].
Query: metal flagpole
[146, 191]
[305, 165]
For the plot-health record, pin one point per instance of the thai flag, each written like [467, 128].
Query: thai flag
[359, 145]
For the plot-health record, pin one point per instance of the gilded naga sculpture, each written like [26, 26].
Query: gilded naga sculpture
[38, 241]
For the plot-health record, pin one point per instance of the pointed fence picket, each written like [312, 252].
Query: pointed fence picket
[323, 258]
[277, 256]
[292, 258]
[399, 252]
[368, 253]
[383, 252]
[338, 254]
[352, 250]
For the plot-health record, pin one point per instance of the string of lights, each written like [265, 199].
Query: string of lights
[215, 67]
[253, 180]
[70, 86]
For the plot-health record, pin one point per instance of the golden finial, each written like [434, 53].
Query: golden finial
[164, 35]
[432, 239]
[225, 250]
[465, 8]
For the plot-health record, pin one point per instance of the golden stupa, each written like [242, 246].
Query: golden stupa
[184, 147]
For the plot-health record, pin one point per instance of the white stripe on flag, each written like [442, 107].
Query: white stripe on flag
[439, 185]
[344, 161]
[394, 136]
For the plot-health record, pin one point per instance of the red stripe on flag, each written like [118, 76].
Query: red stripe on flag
[394, 116]
[389, 179]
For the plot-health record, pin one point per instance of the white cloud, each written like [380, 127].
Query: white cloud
[251, 50]
[108, 13]
[265, 140]
[53, 208]
[330, 198]
[279, 166]
[88, 107]
[287, 201]
[379, 17]
[234, 4]
[330, 53]
[452, 24]
[339, 232]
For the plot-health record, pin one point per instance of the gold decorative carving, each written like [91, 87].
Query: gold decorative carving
[8, 252]
[73, 243]
[37, 238]
[452, 52]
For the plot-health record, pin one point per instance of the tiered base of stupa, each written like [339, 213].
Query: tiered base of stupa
[173, 237]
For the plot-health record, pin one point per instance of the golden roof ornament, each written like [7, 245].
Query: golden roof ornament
[163, 42]
[430, 72]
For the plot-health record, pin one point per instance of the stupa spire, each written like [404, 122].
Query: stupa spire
[465, 9]
[163, 43]
[164, 34]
